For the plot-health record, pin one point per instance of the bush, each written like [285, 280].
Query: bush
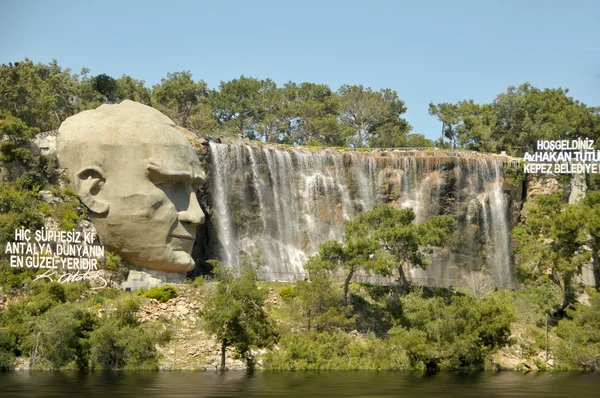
[59, 338]
[122, 348]
[335, 351]
[66, 214]
[461, 332]
[197, 281]
[287, 293]
[162, 294]
[580, 344]
[8, 346]
[75, 291]
[125, 311]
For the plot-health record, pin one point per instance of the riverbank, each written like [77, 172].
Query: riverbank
[170, 336]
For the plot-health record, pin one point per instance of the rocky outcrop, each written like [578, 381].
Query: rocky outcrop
[190, 348]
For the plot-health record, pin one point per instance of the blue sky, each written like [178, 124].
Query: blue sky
[440, 51]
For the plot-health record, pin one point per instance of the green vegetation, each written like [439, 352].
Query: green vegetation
[381, 241]
[56, 326]
[336, 350]
[552, 243]
[235, 314]
[579, 347]
[38, 97]
[162, 294]
[515, 120]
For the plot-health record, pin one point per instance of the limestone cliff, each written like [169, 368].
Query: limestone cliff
[283, 202]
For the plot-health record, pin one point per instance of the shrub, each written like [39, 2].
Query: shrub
[462, 332]
[122, 348]
[580, 344]
[8, 346]
[67, 215]
[59, 337]
[162, 294]
[75, 291]
[197, 281]
[287, 293]
[125, 311]
[335, 350]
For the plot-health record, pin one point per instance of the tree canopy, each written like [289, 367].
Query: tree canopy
[235, 314]
[516, 119]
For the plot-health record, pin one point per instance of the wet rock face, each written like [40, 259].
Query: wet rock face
[283, 202]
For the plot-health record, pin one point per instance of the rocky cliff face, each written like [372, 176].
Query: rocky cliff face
[283, 202]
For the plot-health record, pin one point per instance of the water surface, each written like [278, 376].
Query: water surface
[298, 384]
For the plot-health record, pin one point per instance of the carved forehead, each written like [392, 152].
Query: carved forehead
[122, 139]
[122, 124]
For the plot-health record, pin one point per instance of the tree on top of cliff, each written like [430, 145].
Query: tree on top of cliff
[40, 95]
[178, 94]
[313, 115]
[105, 85]
[236, 105]
[373, 117]
[516, 119]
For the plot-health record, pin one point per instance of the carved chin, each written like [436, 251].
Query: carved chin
[182, 261]
[166, 259]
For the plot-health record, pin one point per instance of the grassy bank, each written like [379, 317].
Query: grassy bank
[52, 326]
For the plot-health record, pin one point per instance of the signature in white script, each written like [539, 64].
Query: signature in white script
[73, 277]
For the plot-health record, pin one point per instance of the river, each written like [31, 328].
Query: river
[299, 384]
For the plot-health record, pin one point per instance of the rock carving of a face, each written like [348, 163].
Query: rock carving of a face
[138, 175]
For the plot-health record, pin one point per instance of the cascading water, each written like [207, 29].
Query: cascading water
[501, 254]
[284, 202]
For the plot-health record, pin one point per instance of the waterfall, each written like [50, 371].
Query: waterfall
[501, 254]
[284, 202]
[220, 169]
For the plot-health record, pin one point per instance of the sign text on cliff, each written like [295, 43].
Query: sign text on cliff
[563, 157]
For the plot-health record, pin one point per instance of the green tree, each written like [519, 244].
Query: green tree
[60, 337]
[14, 136]
[446, 113]
[417, 141]
[579, 347]
[515, 120]
[590, 207]
[106, 86]
[402, 242]
[122, 347]
[235, 314]
[126, 87]
[119, 342]
[313, 112]
[358, 252]
[550, 243]
[275, 109]
[320, 300]
[236, 105]
[374, 117]
[42, 96]
[177, 96]
[454, 333]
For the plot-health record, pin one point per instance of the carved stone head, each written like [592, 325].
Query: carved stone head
[138, 175]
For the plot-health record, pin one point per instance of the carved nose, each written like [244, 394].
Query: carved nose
[193, 214]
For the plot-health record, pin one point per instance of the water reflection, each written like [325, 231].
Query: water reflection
[297, 384]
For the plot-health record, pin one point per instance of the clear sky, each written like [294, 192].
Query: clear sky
[440, 51]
